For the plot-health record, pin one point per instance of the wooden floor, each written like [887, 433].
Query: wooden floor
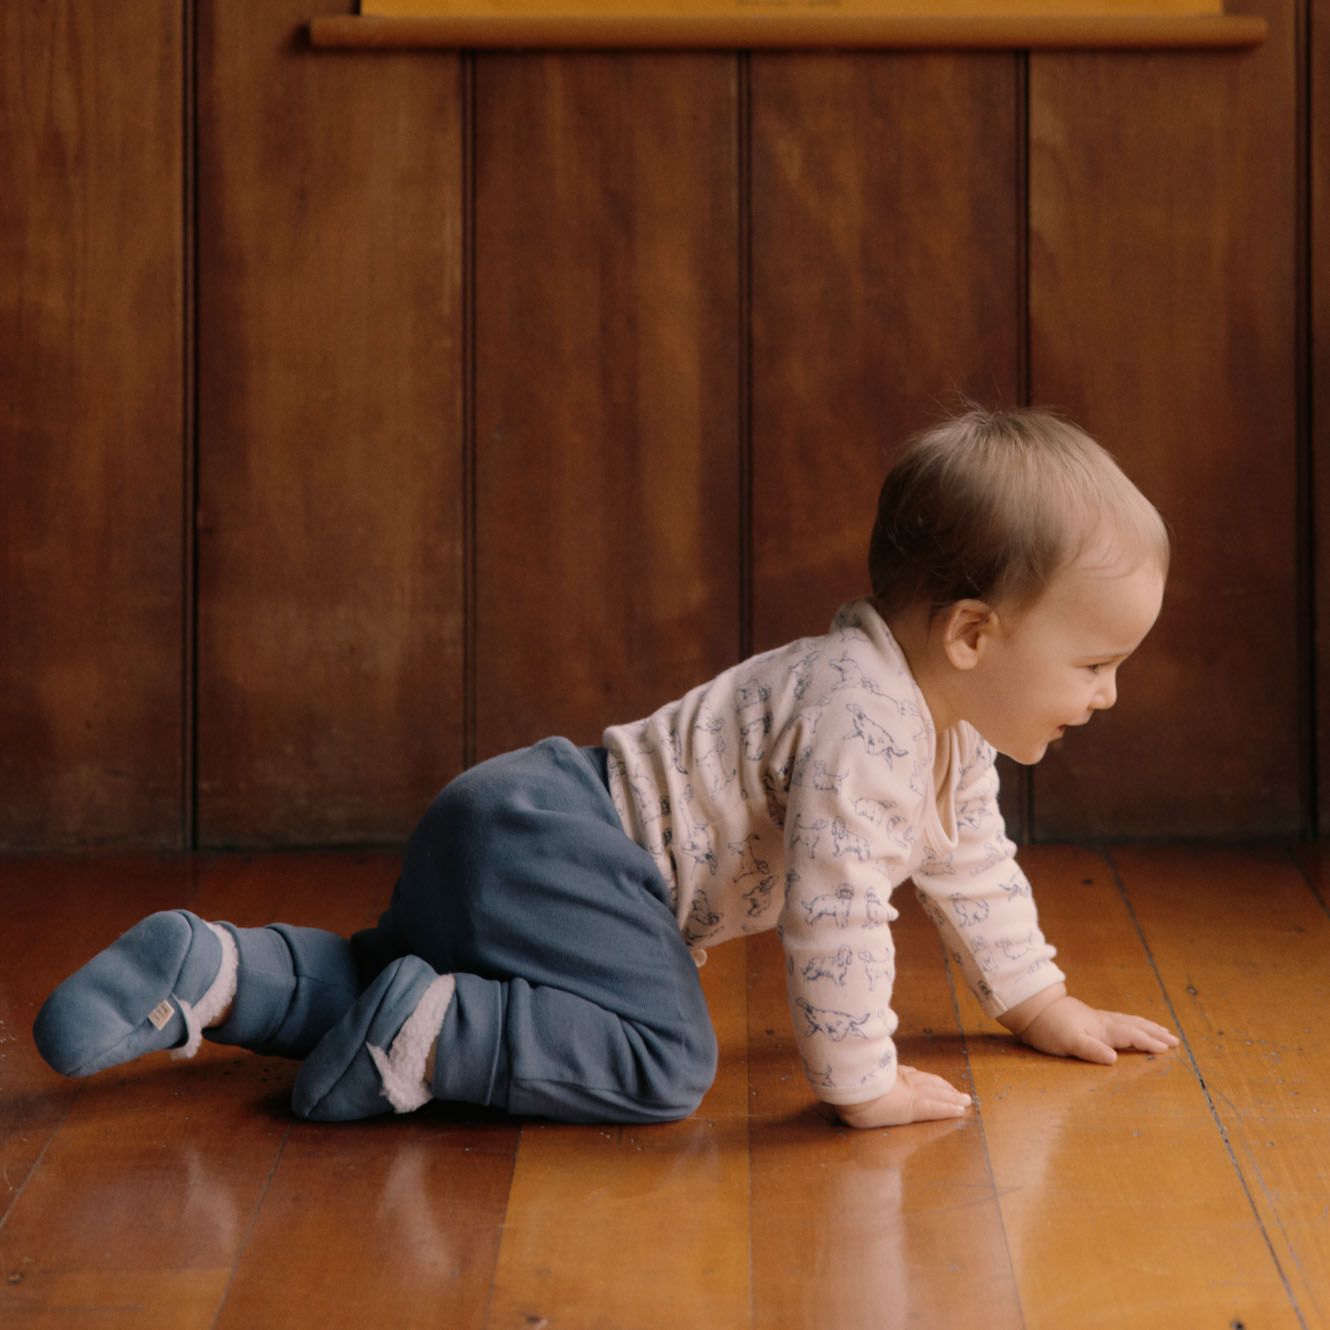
[1190, 1190]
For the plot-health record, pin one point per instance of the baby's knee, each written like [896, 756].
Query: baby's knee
[688, 1073]
[453, 830]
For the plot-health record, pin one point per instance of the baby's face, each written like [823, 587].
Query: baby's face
[1055, 664]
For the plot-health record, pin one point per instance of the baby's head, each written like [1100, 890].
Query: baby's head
[1023, 565]
[992, 505]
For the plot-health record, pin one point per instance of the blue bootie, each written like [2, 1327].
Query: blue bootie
[373, 1060]
[144, 993]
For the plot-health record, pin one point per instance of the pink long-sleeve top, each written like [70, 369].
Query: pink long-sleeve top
[796, 791]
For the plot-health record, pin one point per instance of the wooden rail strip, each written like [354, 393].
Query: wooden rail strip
[786, 31]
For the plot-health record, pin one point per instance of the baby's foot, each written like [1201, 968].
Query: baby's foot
[374, 1059]
[156, 987]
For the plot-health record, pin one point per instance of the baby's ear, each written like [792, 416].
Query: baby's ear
[965, 628]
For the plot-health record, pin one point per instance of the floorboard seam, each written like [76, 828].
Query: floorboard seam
[1205, 1089]
[36, 1164]
[249, 1231]
[487, 1310]
[983, 1134]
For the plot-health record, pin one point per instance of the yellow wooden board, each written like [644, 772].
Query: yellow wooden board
[812, 10]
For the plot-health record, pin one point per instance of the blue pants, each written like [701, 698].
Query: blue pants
[576, 996]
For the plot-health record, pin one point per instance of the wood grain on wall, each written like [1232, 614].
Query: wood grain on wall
[92, 404]
[1162, 275]
[534, 388]
[331, 615]
[607, 382]
[1317, 639]
[886, 289]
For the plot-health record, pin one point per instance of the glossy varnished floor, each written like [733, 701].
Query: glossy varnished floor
[1191, 1190]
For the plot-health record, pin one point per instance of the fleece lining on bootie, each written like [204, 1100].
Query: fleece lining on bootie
[373, 1060]
[402, 1067]
[153, 988]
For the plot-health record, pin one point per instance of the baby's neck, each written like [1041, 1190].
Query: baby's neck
[928, 665]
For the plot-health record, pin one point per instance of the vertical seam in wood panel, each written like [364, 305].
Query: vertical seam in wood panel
[1022, 200]
[744, 163]
[1215, 1116]
[1021, 190]
[744, 220]
[187, 834]
[470, 520]
[1305, 462]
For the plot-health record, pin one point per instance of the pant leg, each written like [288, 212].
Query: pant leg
[293, 984]
[576, 997]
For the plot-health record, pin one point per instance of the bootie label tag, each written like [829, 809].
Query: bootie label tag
[161, 1014]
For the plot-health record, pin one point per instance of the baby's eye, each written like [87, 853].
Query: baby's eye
[1094, 669]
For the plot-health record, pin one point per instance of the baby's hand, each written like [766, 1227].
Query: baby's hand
[1068, 1028]
[917, 1096]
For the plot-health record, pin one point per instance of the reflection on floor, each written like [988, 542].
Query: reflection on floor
[1186, 1190]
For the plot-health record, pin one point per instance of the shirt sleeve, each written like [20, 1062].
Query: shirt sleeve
[981, 901]
[844, 850]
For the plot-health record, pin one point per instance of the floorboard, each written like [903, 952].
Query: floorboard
[1246, 974]
[1119, 1174]
[880, 1228]
[1187, 1190]
[626, 1226]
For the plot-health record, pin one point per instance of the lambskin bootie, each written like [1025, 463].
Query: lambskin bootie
[153, 988]
[373, 1060]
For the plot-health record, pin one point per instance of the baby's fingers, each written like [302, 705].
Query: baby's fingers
[1089, 1049]
[936, 1099]
[933, 1097]
[928, 1109]
[1138, 1033]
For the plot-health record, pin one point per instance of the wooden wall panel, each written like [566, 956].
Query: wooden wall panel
[331, 615]
[607, 380]
[91, 410]
[1162, 274]
[1318, 268]
[885, 285]
[711, 293]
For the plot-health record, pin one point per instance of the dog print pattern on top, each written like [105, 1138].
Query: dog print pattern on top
[836, 1025]
[794, 792]
[875, 738]
[879, 969]
[834, 906]
[833, 967]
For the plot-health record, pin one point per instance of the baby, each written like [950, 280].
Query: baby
[540, 949]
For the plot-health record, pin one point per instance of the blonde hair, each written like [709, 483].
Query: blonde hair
[992, 505]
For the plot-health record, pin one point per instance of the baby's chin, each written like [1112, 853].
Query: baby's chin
[1026, 757]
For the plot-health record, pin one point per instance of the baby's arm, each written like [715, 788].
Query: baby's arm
[982, 903]
[1054, 1022]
